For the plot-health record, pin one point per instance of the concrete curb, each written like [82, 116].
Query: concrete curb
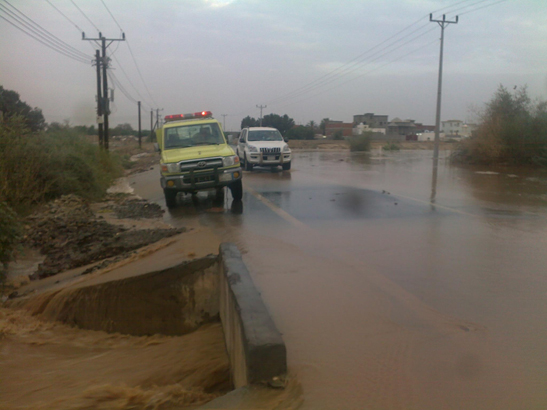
[255, 347]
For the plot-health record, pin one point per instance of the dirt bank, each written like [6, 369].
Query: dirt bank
[69, 234]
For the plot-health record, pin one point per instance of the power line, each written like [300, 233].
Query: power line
[133, 57]
[60, 51]
[123, 90]
[368, 72]
[140, 74]
[483, 7]
[353, 65]
[38, 30]
[87, 18]
[62, 14]
[111, 15]
[128, 79]
[377, 56]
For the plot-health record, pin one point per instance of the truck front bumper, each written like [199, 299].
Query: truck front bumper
[278, 158]
[193, 181]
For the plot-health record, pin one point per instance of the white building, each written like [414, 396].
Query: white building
[360, 128]
[457, 129]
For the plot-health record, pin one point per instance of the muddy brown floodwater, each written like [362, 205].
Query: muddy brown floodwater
[53, 366]
[393, 292]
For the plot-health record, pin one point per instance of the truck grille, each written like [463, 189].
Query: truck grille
[270, 150]
[201, 164]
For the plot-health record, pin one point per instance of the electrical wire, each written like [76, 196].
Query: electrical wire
[60, 51]
[114, 80]
[62, 14]
[483, 7]
[124, 91]
[111, 15]
[87, 18]
[354, 64]
[74, 24]
[133, 57]
[140, 74]
[22, 19]
[128, 79]
[327, 79]
[366, 73]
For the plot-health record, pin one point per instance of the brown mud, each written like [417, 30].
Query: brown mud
[70, 234]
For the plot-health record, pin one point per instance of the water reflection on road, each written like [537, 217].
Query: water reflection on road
[387, 298]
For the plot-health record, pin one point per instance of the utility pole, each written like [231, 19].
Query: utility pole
[443, 24]
[261, 107]
[158, 117]
[99, 99]
[151, 124]
[104, 100]
[224, 121]
[140, 144]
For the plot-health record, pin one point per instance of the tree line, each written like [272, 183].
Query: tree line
[286, 126]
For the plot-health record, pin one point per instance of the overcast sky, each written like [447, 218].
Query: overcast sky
[228, 56]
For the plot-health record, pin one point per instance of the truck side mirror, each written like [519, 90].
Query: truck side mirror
[157, 147]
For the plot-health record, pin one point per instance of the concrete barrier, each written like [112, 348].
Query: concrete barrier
[255, 347]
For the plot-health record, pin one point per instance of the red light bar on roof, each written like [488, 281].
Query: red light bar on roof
[178, 117]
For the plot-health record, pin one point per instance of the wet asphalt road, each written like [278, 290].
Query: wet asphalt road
[392, 291]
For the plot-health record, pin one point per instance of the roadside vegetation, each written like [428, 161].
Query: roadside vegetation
[512, 130]
[40, 163]
[360, 142]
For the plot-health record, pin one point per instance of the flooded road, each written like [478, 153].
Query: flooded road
[391, 291]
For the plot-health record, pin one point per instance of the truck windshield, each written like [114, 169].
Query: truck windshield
[186, 136]
[273, 135]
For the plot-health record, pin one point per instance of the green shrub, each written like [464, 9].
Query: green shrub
[35, 167]
[391, 146]
[360, 142]
[512, 130]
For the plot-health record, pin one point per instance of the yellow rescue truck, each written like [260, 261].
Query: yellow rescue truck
[195, 156]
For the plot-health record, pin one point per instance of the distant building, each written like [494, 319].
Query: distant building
[332, 127]
[457, 129]
[359, 129]
[398, 129]
[421, 128]
[372, 120]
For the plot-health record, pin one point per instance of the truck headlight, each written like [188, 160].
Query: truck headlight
[230, 161]
[286, 148]
[170, 168]
[252, 148]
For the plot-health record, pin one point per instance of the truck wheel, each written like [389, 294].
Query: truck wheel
[248, 165]
[237, 190]
[170, 198]
[286, 166]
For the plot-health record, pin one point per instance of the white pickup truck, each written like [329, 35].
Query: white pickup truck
[264, 147]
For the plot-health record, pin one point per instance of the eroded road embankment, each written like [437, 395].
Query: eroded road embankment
[137, 331]
[120, 333]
